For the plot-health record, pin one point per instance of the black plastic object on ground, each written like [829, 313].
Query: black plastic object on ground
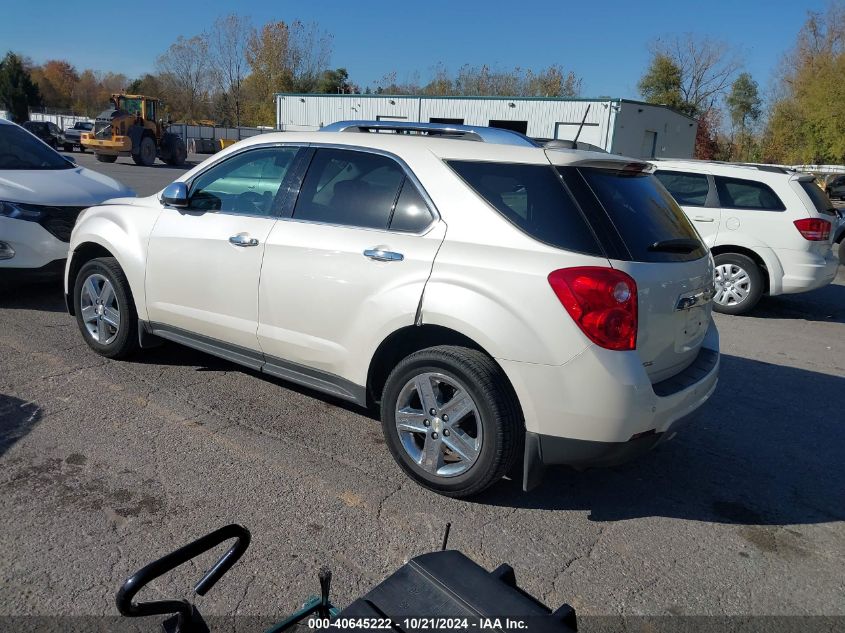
[433, 591]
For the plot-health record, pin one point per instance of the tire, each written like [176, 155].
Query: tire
[178, 154]
[739, 284]
[842, 253]
[67, 147]
[146, 154]
[490, 434]
[89, 288]
[82, 149]
[106, 158]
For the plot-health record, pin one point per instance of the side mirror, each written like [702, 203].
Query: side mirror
[175, 195]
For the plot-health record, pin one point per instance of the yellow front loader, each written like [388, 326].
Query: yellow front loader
[133, 128]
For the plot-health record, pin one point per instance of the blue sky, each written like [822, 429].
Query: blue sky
[604, 42]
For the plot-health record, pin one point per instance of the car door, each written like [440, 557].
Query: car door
[203, 261]
[695, 194]
[347, 267]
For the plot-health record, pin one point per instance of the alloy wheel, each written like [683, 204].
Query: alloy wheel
[100, 309]
[439, 424]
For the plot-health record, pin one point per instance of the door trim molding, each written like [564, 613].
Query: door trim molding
[322, 381]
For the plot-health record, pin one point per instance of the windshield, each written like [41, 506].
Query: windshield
[21, 150]
[83, 126]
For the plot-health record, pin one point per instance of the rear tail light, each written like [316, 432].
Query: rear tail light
[813, 229]
[602, 301]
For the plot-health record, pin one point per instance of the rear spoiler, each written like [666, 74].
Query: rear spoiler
[616, 164]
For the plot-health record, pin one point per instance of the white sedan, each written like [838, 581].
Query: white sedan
[41, 195]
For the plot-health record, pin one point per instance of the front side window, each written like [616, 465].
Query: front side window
[735, 193]
[687, 189]
[533, 198]
[349, 188]
[20, 150]
[246, 183]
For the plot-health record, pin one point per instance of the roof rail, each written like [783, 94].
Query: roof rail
[446, 130]
[778, 169]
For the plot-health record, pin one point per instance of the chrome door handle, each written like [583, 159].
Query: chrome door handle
[383, 256]
[243, 240]
[701, 218]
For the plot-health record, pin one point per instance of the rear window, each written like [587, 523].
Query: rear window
[645, 215]
[735, 193]
[533, 198]
[687, 189]
[820, 200]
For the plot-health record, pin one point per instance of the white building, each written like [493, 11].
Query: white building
[621, 126]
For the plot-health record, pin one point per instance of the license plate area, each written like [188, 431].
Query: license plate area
[692, 326]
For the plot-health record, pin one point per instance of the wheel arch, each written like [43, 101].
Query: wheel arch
[405, 341]
[753, 255]
[82, 254]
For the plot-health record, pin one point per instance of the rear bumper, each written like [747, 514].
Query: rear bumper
[805, 270]
[601, 409]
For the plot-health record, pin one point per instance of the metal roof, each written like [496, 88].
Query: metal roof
[465, 132]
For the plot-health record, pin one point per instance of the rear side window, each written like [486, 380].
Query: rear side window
[411, 214]
[687, 189]
[533, 198]
[349, 188]
[819, 198]
[647, 218]
[735, 193]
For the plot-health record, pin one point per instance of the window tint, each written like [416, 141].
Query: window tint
[747, 194]
[643, 213]
[534, 199]
[687, 189]
[819, 198]
[21, 150]
[246, 183]
[411, 214]
[350, 188]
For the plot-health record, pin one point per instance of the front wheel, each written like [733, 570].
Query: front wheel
[451, 420]
[105, 309]
[68, 147]
[146, 152]
[739, 284]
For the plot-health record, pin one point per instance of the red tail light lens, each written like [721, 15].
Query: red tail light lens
[813, 229]
[602, 301]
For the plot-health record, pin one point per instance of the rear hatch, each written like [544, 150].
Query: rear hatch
[646, 235]
[818, 205]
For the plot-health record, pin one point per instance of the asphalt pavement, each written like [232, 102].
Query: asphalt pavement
[105, 465]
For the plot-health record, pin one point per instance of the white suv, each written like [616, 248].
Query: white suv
[770, 229]
[500, 303]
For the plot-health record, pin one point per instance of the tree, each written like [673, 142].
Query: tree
[56, 80]
[706, 67]
[228, 45]
[17, 90]
[335, 82]
[661, 83]
[184, 70]
[807, 119]
[744, 106]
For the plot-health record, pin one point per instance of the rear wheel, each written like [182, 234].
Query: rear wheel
[106, 158]
[178, 153]
[842, 252]
[451, 420]
[105, 309]
[68, 147]
[739, 283]
[146, 154]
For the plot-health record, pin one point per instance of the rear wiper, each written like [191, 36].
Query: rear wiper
[679, 245]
